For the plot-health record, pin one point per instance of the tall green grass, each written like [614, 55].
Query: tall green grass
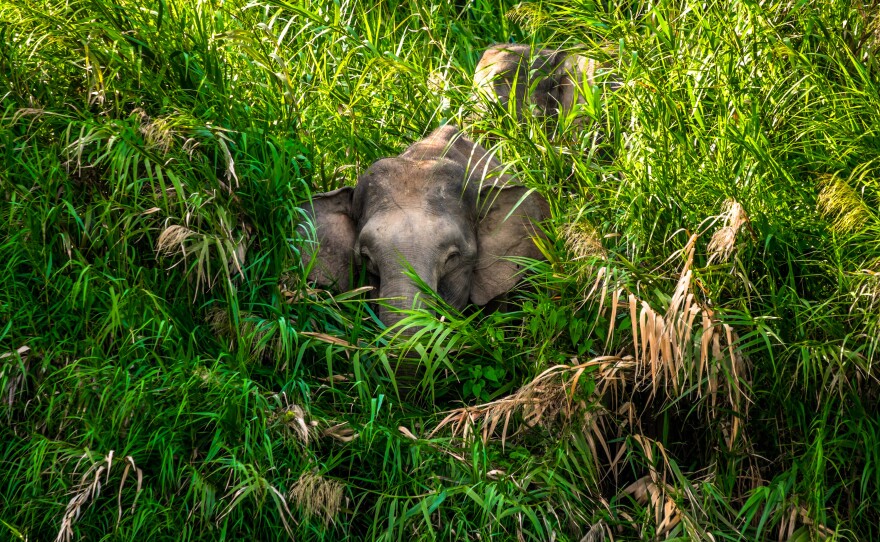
[167, 373]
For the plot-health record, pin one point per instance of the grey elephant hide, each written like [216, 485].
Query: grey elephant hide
[445, 208]
[553, 81]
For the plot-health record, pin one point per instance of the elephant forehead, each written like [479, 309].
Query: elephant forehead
[411, 228]
[507, 60]
[432, 185]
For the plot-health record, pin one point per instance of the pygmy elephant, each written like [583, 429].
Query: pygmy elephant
[554, 81]
[445, 207]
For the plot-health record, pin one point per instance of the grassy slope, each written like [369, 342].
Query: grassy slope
[157, 338]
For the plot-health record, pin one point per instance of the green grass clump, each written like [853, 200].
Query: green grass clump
[693, 360]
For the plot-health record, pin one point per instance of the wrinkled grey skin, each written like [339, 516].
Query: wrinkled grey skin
[441, 206]
[556, 78]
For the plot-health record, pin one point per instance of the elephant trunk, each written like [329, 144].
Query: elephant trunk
[403, 293]
[399, 294]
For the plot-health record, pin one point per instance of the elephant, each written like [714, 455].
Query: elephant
[553, 80]
[445, 207]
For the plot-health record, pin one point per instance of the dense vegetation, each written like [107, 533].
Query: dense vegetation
[694, 360]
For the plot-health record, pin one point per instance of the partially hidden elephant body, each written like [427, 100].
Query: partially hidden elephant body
[554, 81]
[444, 207]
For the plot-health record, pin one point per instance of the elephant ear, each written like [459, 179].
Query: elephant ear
[574, 74]
[506, 228]
[330, 212]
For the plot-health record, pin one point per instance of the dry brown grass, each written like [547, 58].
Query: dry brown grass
[317, 496]
[341, 432]
[687, 346]
[653, 490]
[225, 248]
[13, 369]
[583, 241]
[172, 240]
[158, 132]
[251, 334]
[295, 419]
[796, 526]
[549, 399]
[723, 241]
[672, 505]
[89, 488]
[223, 141]
[658, 496]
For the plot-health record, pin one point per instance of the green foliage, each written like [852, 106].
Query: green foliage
[167, 374]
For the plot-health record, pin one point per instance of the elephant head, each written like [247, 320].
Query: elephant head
[445, 208]
[551, 80]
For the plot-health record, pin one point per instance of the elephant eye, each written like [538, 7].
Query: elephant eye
[453, 259]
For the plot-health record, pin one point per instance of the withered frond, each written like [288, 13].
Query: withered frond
[549, 398]
[317, 496]
[341, 432]
[648, 492]
[295, 419]
[158, 132]
[224, 248]
[808, 530]
[723, 240]
[89, 487]
[688, 347]
[15, 369]
[583, 241]
[171, 240]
